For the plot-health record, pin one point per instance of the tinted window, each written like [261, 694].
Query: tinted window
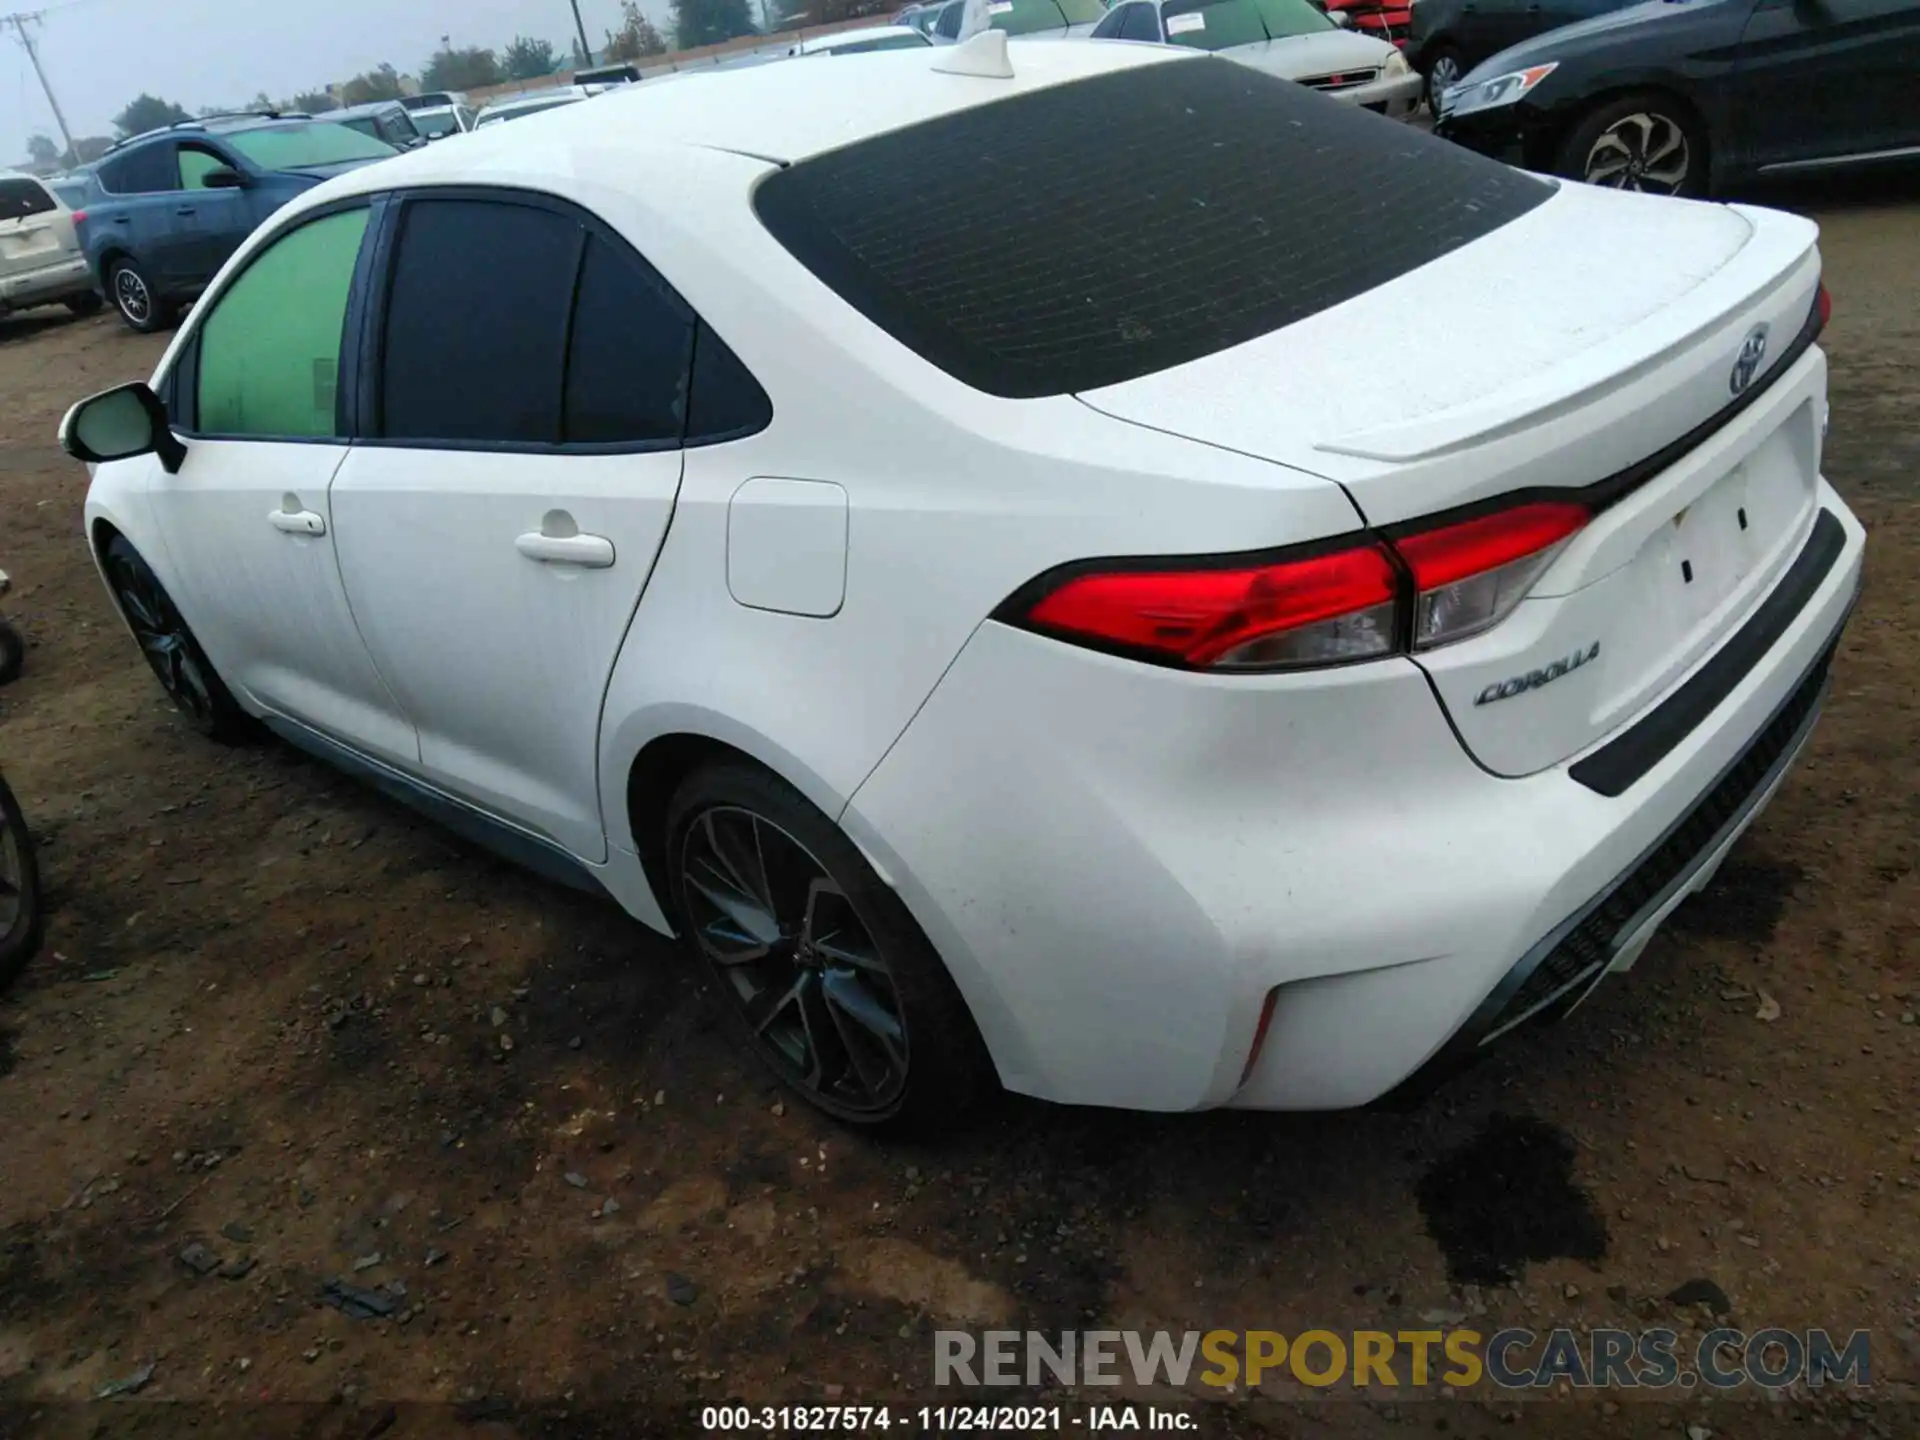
[948, 26]
[476, 321]
[627, 364]
[1140, 24]
[21, 198]
[1026, 17]
[880, 42]
[1216, 24]
[316, 142]
[1159, 213]
[727, 401]
[270, 351]
[140, 172]
[1109, 26]
[194, 165]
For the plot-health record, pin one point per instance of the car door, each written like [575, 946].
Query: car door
[142, 181]
[212, 220]
[246, 521]
[1490, 26]
[1822, 80]
[527, 390]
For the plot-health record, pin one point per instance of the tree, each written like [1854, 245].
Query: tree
[148, 112]
[89, 148]
[527, 58]
[709, 22]
[636, 38]
[380, 84]
[313, 101]
[43, 152]
[470, 69]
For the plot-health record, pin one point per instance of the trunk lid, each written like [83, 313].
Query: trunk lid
[1595, 337]
[35, 229]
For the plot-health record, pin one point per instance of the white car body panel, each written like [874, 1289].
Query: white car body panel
[1119, 863]
[40, 255]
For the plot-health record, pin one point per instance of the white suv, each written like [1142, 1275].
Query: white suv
[40, 258]
[913, 552]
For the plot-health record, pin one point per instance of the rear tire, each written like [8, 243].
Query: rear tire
[87, 304]
[134, 297]
[177, 661]
[1648, 143]
[13, 652]
[22, 918]
[823, 973]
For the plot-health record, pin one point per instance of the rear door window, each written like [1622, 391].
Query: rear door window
[476, 323]
[21, 197]
[629, 355]
[147, 170]
[269, 353]
[1141, 23]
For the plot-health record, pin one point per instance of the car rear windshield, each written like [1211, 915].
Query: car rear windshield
[20, 198]
[1085, 234]
[1217, 24]
[293, 147]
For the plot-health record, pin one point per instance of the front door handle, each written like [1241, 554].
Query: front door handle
[186, 210]
[589, 552]
[298, 522]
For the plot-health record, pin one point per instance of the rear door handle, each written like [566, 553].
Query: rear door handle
[298, 522]
[589, 552]
[186, 210]
[123, 219]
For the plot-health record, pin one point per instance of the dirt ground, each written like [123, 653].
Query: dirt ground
[266, 1024]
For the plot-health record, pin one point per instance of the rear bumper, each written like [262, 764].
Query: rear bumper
[56, 280]
[1120, 864]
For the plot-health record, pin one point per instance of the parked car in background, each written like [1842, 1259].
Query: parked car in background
[1683, 97]
[1033, 19]
[440, 121]
[1289, 38]
[1450, 37]
[436, 100]
[859, 42]
[1385, 19]
[919, 17]
[167, 208]
[954, 598]
[604, 75]
[41, 262]
[531, 102]
[386, 120]
[71, 187]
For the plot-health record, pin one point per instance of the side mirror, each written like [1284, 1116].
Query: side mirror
[120, 424]
[224, 177]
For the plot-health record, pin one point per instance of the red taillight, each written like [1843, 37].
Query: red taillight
[78, 216]
[1825, 302]
[1468, 576]
[1371, 598]
[1317, 610]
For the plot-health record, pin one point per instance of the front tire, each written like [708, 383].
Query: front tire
[22, 919]
[1444, 69]
[1646, 143]
[819, 966]
[138, 303]
[175, 657]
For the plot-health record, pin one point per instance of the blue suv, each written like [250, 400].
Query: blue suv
[164, 210]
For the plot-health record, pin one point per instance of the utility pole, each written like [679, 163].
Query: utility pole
[586, 50]
[19, 24]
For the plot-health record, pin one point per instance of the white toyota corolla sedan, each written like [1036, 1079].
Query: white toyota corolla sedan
[929, 553]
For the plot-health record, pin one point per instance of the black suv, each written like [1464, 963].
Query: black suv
[164, 210]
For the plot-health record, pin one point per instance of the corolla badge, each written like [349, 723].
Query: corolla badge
[1752, 351]
[1534, 679]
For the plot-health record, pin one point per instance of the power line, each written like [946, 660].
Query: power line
[20, 23]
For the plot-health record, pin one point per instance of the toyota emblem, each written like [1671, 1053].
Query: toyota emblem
[1752, 351]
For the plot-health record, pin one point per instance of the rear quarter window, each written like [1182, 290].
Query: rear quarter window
[1085, 234]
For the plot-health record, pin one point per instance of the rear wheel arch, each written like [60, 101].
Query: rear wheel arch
[652, 779]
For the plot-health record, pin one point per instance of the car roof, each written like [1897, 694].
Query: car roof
[371, 107]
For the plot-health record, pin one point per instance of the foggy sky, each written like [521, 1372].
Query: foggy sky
[99, 54]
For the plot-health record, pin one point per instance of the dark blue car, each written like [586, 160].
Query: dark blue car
[164, 210]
